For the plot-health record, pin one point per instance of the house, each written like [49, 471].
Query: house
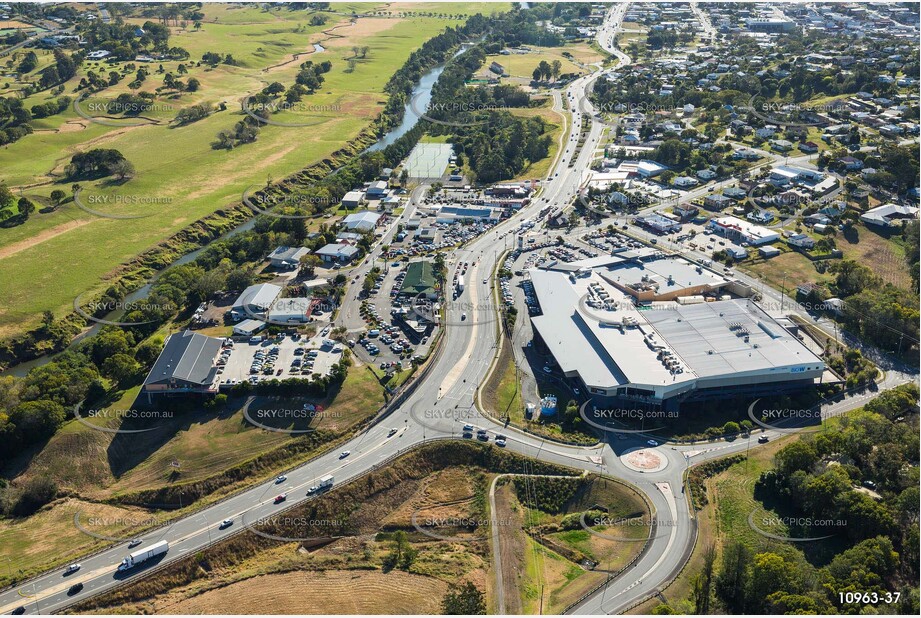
[352, 199]
[364, 221]
[706, 174]
[748, 154]
[781, 145]
[760, 216]
[735, 193]
[186, 365]
[497, 68]
[768, 251]
[716, 202]
[334, 253]
[801, 241]
[685, 212]
[736, 252]
[850, 163]
[889, 215]
[377, 189]
[287, 258]
[809, 147]
[765, 132]
[254, 301]
[683, 182]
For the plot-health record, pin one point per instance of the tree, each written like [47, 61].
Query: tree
[57, 196]
[555, 67]
[120, 367]
[122, 169]
[465, 599]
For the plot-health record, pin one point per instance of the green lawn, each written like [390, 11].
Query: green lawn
[176, 168]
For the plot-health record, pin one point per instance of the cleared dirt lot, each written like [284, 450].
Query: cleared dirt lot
[320, 592]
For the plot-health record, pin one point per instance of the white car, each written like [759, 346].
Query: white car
[391, 432]
[652, 443]
[344, 454]
[281, 479]
[226, 523]
[72, 568]
[548, 370]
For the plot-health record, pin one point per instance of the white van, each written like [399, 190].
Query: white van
[374, 333]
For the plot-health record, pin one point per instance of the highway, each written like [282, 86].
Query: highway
[437, 409]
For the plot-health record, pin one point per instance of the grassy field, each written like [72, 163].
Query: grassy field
[886, 256]
[551, 559]
[522, 66]
[541, 168]
[179, 178]
[204, 442]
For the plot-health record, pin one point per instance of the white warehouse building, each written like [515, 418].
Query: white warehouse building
[668, 352]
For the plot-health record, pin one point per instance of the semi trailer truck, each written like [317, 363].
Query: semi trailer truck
[142, 555]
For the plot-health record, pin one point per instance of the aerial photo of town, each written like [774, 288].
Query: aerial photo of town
[460, 308]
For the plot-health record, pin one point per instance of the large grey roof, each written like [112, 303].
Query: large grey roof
[187, 356]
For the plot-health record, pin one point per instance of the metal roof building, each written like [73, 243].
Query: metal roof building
[186, 365]
[663, 353]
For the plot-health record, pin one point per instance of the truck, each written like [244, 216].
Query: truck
[460, 283]
[326, 482]
[135, 558]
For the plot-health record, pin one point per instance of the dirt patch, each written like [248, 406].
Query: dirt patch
[22, 245]
[318, 592]
[512, 547]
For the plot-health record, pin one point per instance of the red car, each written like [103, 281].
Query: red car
[281, 498]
